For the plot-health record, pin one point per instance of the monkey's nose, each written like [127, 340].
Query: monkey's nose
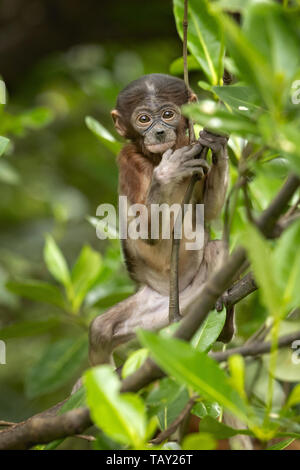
[160, 134]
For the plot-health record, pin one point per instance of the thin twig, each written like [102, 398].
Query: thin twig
[256, 348]
[6, 423]
[174, 307]
[174, 425]
[85, 437]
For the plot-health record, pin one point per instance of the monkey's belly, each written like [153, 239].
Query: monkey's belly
[152, 266]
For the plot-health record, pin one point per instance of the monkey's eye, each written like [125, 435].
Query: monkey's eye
[168, 114]
[144, 119]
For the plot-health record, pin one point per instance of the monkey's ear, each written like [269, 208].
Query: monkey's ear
[193, 98]
[118, 122]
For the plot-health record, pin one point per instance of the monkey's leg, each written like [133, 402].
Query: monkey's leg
[214, 256]
[146, 309]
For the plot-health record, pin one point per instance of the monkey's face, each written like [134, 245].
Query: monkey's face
[157, 125]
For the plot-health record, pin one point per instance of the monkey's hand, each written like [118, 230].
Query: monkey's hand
[217, 144]
[181, 163]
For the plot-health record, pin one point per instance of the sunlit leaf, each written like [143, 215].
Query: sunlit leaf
[84, 273]
[281, 445]
[195, 369]
[3, 144]
[205, 41]
[176, 67]
[220, 120]
[209, 331]
[263, 261]
[103, 135]
[134, 362]
[56, 262]
[199, 441]
[122, 417]
[236, 367]
[294, 397]
[241, 99]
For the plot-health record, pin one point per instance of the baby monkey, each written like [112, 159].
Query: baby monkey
[155, 168]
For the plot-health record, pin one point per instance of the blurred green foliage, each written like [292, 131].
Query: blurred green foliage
[54, 173]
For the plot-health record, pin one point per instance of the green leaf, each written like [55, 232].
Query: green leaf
[233, 5]
[176, 67]
[134, 362]
[166, 401]
[84, 274]
[3, 144]
[57, 366]
[209, 331]
[2, 92]
[236, 367]
[293, 399]
[265, 50]
[273, 31]
[281, 445]
[8, 174]
[242, 99]
[199, 441]
[288, 265]
[121, 417]
[28, 328]
[168, 413]
[56, 262]
[207, 408]
[263, 261]
[208, 115]
[251, 63]
[166, 391]
[195, 369]
[288, 141]
[287, 364]
[219, 430]
[257, 379]
[205, 39]
[103, 135]
[76, 400]
[36, 118]
[38, 290]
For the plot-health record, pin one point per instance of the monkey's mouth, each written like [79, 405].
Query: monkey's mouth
[162, 147]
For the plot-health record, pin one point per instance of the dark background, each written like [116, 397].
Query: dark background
[33, 29]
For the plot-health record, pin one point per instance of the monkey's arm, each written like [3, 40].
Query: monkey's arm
[175, 167]
[217, 177]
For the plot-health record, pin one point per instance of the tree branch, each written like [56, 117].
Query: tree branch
[41, 430]
[255, 349]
